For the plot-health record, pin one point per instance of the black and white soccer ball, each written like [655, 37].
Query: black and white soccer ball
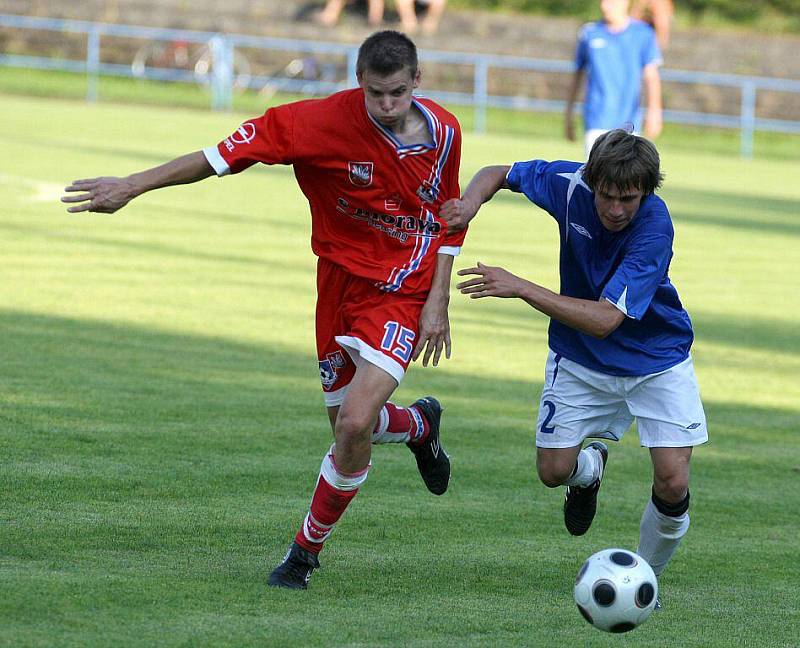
[616, 590]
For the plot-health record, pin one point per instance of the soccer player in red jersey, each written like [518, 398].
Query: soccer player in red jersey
[376, 164]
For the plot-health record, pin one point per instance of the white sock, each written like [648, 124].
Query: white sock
[589, 468]
[407, 422]
[659, 536]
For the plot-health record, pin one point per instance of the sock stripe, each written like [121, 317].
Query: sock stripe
[314, 531]
[671, 510]
[420, 424]
[338, 479]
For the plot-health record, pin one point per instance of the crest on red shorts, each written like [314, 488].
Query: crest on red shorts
[360, 173]
[327, 374]
[328, 368]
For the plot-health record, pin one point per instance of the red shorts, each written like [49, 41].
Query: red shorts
[356, 323]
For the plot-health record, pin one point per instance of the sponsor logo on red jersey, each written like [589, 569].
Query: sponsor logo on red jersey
[245, 134]
[360, 173]
[393, 202]
[398, 226]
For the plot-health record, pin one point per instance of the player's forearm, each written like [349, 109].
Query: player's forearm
[594, 318]
[574, 89]
[652, 84]
[440, 286]
[183, 170]
[486, 183]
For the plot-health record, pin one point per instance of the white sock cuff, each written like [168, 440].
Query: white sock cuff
[383, 423]
[588, 469]
[669, 527]
[342, 481]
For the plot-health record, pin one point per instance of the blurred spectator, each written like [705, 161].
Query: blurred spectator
[617, 55]
[408, 16]
[329, 16]
[658, 14]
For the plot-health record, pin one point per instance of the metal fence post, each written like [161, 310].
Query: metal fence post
[92, 63]
[748, 121]
[481, 93]
[221, 72]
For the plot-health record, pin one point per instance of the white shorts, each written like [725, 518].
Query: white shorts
[578, 403]
[590, 137]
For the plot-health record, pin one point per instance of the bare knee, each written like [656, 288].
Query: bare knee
[553, 467]
[671, 473]
[352, 431]
[671, 488]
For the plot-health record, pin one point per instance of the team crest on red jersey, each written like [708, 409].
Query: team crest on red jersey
[427, 192]
[360, 173]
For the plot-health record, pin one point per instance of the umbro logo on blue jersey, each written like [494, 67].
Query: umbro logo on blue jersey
[581, 230]
[693, 426]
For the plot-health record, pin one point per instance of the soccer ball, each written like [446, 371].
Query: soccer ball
[616, 590]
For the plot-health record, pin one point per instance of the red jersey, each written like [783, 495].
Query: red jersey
[374, 201]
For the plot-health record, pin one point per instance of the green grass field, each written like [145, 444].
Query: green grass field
[162, 425]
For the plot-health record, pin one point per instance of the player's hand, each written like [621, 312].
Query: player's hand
[434, 332]
[105, 195]
[489, 281]
[457, 213]
[569, 128]
[653, 125]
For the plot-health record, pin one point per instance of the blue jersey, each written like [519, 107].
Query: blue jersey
[628, 268]
[614, 62]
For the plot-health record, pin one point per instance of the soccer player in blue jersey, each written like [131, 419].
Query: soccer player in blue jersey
[617, 55]
[619, 337]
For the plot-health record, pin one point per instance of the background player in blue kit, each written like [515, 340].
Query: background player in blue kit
[618, 55]
[619, 337]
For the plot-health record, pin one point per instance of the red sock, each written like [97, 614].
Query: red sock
[400, 425]
[333, 493]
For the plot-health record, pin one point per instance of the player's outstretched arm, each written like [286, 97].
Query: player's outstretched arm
[109, 194]
[458, 212]
[596, 318]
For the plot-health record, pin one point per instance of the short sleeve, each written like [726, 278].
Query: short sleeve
[453, 240]
[633, 285]
[532, 179]
[268, 139]
[651, 52]
[582, 49]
